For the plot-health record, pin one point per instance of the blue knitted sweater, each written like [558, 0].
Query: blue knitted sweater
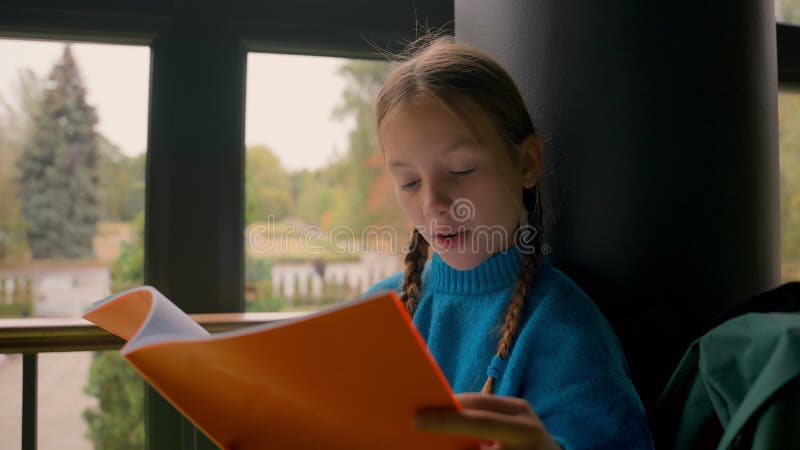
[566, 360]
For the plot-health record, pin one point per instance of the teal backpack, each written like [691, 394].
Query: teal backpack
[738, 385]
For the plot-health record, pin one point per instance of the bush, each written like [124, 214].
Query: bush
[16, 310]
[265, 304]
[118, 422]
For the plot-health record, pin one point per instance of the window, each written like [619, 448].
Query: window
[789, 141]
[787, 11]
[321, 221]
[11, 399]
[72, 157]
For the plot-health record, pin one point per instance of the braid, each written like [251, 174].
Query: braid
[525, 280]
[412, 278]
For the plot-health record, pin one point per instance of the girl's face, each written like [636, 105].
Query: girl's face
[462, 190]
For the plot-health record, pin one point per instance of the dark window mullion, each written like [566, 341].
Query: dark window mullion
[195, 181]
[29, 400]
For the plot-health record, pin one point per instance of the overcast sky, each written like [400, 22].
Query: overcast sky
[289, 98]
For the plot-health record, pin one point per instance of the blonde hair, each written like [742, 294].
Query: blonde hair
[439, 69]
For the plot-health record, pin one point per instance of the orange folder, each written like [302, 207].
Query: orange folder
[346, 378]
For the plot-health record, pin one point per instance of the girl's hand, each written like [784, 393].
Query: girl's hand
[506, 423]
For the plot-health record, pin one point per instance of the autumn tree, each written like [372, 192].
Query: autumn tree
[369, 194]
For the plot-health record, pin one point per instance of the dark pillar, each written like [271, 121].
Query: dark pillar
[195, 181]
[660, 120]
[195, 173]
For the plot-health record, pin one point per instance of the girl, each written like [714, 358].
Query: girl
[496, 315]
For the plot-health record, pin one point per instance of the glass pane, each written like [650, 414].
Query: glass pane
[73, 134]
[321, 220]
[789, 132]
[72, 388]
[11, 399]
[787, 11]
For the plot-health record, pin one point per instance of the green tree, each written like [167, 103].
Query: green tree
[127, 270]
[14, 126]
[363, 81]
[18, 116]
[121, 182]
[314, 200]
[787, 11]
[267, 186]
[13, 245]
[58, 168]
[789, 117]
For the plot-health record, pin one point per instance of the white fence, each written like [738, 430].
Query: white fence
[341, 280]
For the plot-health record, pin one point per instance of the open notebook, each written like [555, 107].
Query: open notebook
[346, 378]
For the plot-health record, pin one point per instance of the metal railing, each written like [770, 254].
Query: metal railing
[33, 336]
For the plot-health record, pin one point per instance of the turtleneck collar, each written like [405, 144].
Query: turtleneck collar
[497, 272]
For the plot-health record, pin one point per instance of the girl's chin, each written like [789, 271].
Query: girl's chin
[461, 261]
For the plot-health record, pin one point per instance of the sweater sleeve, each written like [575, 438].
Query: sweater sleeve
[390, 283]
[576, 377]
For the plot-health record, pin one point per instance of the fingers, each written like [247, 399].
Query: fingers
[502, 405]
[489, 425]
[486, 445]
[505, 422]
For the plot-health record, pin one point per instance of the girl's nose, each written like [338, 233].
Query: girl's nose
[436, 203]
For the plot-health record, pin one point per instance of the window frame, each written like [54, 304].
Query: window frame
[180, 242]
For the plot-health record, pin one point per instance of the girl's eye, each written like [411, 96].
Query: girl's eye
[409, 185]
[462, 173]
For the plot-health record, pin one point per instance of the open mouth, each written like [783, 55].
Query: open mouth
[448, 240]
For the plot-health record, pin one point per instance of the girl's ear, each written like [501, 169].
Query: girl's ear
[532, 158]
